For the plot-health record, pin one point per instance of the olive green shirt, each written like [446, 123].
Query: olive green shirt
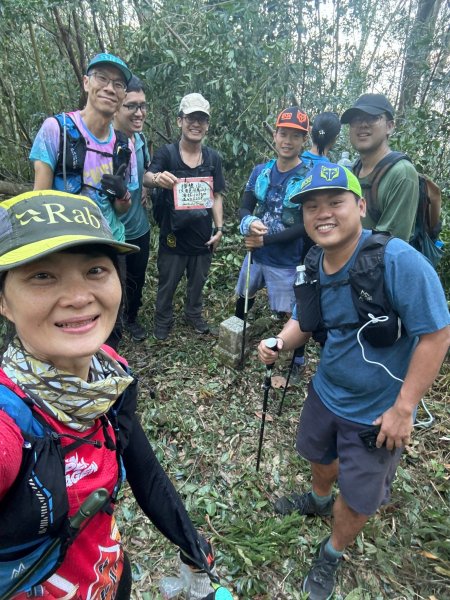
[398, 198]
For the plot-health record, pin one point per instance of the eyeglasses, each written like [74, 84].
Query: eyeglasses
[132, 107]
[118, 84]
[200, 118]
[367, 119]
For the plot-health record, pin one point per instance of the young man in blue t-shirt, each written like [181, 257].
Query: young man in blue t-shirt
[358, 386]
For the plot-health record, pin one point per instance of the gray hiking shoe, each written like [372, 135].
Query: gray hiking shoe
[303, 504]
[321, 579]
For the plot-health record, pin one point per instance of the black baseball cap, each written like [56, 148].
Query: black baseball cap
[371, 104]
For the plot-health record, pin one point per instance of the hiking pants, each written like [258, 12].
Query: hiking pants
[171, 268]
[136, 267]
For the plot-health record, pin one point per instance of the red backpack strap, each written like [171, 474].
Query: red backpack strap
[113, 354]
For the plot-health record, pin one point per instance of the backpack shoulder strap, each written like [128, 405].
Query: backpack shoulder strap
[121, 151]
[17, 405]
[145, 151]
[172, 149]
[312, 260]
[372, 181]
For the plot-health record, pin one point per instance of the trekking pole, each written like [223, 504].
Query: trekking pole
[247, 287]
[291, 366]
[90, 507]
[271, 343]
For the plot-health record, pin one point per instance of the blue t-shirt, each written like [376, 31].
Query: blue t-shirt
[136, 218]
[313, 159]
[284, 255]
[347, 385]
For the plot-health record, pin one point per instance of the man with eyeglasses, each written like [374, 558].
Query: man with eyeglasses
[393, 207]
[80, 152]
[130, 120]
[184, 170]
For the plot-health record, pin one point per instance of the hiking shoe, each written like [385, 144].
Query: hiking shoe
[198, 324]
[303, 504]
[161, 333]
[136, 331]
[321, 579]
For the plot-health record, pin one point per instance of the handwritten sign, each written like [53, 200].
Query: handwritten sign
[193, 193]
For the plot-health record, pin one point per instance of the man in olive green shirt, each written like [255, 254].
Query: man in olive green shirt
[371, 121]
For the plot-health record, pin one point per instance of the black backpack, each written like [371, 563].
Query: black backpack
[72, 150]
[366, 280]
[162, 200]
[428, 224]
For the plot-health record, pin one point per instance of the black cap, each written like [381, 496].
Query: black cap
[371, 104]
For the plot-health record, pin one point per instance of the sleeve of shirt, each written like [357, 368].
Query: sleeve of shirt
[160, 161]
[398, 195]
[155, 492]
[415, 290]
[46, 143]
[11, 442]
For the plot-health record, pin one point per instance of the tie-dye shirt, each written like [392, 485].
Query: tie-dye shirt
[97, 163]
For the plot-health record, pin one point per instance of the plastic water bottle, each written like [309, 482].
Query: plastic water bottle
[345, 161]
[300, 276]
[172, 587]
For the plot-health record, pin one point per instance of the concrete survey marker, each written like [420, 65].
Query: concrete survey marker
[230, 341]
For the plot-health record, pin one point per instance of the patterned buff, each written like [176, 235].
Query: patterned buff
[67, 398]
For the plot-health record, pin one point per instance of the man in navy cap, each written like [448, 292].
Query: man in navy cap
[79, 151]
[380, 354]
[390, 184]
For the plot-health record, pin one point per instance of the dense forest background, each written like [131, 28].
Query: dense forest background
[250, 59]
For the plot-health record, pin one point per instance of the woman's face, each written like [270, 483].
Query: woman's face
[64, 306]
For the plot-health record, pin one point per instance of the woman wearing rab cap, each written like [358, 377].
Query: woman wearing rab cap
[67, 420]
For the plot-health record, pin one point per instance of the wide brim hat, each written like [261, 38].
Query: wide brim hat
[327, 177]
[39, 223]
[112, 61]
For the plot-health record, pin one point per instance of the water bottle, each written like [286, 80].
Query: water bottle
[345, 161]
[300, 276]
[173, 587]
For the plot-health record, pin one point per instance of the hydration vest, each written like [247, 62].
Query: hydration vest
[367, 286]
[32, 549]
[291, 213]
[72, 146]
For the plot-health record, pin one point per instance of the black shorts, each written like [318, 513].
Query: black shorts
[364, 477]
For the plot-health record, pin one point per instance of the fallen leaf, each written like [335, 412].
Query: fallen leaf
[259, 415]
[278, 382]
[429, 555]
[442, 571]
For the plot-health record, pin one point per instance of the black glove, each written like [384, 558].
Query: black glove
[208, 552]
[114, 186]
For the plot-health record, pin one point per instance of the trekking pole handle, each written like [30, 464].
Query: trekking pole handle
[93, 503]
[271, 344]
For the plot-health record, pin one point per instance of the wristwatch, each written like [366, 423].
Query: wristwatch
[216, 229]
